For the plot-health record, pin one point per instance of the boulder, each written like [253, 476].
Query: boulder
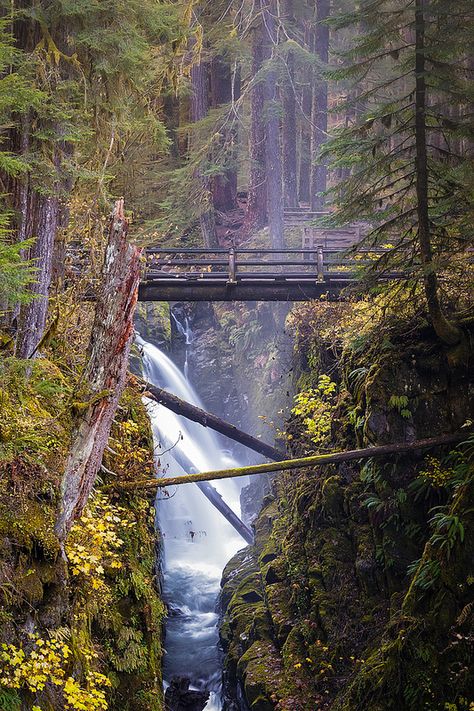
[179, 697]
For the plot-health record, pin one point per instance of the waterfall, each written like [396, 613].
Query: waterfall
[188, 335]
[197, 540]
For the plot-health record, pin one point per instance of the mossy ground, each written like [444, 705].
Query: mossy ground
[105, 606]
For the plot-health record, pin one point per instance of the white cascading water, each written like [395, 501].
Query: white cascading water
[198, 540]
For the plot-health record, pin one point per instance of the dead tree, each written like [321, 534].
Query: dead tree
[105, 372]
[206, 419]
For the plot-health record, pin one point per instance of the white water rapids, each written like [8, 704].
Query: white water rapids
[198, 540]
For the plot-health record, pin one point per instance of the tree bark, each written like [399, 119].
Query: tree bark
[206, 419]
[319, 113]
[199, 110]
[304, 181]
[256, 216]
[105, 372]
[40, 221]
[272, 113]
[224, 186]
[289, 133]
[300, 463]
[445, 330]
[37, 198]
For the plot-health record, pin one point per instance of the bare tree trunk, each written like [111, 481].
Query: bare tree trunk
[272, 134]
[305, 131]
[256, 216]
[224, 186]
[446, 331]
[206, 419]
[199, 110]
[39, 221]
[105, 373]
[319, 111]
[289, 133]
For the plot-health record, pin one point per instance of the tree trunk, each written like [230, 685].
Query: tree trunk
[319, 113]
[37, 198]
[445, 330]
[272, 113]
[206, 419]
[199, 110]
[105, 372]
[289, 133]
[214, 497]
[315, 460]
[40, 221]
[305, 131]
[256, 216]
[224, 186]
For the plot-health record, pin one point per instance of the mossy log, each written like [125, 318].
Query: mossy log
[301, 463]
[196, 414]
[105, 374]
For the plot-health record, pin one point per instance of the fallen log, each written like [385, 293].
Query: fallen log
[216, 499]
[196, 414]
[106, 370]
[300, 463]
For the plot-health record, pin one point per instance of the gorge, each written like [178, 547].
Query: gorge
[236, 355]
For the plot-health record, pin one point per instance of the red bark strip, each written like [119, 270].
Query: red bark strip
[106, 369]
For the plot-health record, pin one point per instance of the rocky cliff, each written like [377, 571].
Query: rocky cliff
[358, 595]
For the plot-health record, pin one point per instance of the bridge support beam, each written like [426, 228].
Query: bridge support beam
[242, 291]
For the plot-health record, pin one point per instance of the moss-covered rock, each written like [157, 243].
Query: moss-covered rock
[100, 597]
[355, 623]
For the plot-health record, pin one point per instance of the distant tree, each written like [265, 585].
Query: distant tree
[272, 119]
[319, 110]
[256, 216]
[199, 111]
[289, 121]
[225, 90]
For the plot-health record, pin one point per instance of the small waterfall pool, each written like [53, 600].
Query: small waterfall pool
[198, 540]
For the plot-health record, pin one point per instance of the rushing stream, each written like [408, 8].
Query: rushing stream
[198, 541]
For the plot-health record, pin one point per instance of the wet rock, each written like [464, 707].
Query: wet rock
[179, 697]
[251, 596]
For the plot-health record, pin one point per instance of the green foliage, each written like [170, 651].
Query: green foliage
[427, 572]
[34, 417]
[16, 274]
[9, 700]
[448, 530]
[400, 403]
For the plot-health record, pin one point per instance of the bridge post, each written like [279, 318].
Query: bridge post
[232, 267]
[320, 263]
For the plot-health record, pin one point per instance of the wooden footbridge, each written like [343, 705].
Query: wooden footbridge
[251, 274]
[322, 266]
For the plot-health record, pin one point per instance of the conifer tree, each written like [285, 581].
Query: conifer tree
[410, 66]
[91, 70]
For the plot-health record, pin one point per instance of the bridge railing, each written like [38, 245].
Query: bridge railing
[243, 263]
